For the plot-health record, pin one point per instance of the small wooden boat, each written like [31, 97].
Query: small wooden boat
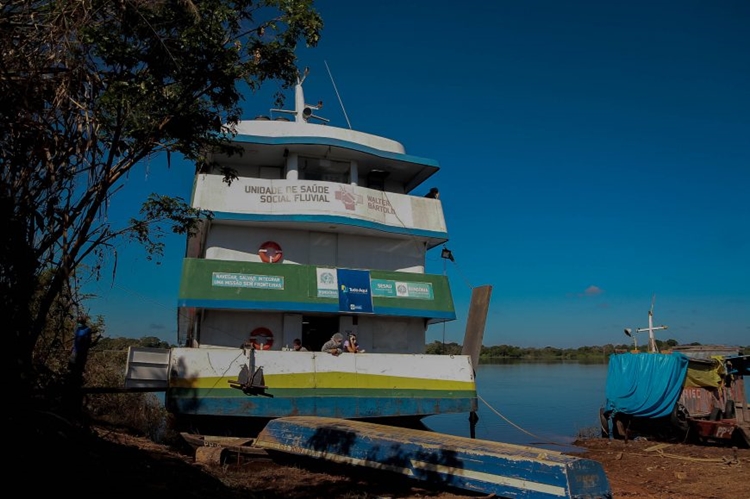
[219, 450]
[457, 462]
[693, 392]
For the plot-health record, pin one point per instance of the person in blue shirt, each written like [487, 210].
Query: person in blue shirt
[82, 341]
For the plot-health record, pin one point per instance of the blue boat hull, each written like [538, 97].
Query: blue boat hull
[483, 466]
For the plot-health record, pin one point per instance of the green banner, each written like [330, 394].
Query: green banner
[227, 280]
[402, 289]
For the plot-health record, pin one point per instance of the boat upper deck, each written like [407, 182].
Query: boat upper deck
[306, 147]
[316, 132]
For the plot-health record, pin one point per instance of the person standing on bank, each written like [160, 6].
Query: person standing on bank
[83, 340]
[351, 344]
[334, 346]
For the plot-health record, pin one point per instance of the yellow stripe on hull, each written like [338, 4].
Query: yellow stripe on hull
[335, 380]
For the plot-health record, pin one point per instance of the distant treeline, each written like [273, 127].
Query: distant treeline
[438, 348]
[118, 344]
[550, 353]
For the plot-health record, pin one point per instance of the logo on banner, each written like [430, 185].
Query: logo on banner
[354, 291]
[327, 283]
[349, 198]
[386, 288]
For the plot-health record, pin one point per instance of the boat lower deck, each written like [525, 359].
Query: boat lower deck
[232, 382]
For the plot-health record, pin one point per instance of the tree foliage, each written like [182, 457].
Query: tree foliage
[122, 344]
[88, 90]
[438, 348]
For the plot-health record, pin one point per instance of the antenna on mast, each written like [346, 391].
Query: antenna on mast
[302, 112]
[651, 339]
[650, 329]
[337, 94]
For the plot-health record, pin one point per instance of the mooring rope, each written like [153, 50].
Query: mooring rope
[514, 425]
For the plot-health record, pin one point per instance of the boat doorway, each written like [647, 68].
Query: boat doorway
[317, 329]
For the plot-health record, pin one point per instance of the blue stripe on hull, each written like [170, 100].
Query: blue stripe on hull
[330, 141]
[478, 465]
[329, 219]
[335, 407]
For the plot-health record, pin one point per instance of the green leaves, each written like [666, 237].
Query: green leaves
[161, 213]
[89, 89]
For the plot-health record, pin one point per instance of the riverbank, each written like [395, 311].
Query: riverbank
[123, 465]
[643, 469]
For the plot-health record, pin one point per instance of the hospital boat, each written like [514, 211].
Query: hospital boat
[323, 230]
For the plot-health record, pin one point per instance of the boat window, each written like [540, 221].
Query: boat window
[271, 172]
[324, 169]
[316, 330]
[376, 179]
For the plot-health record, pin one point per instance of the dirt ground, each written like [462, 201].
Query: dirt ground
[642, 469]
[124, 465]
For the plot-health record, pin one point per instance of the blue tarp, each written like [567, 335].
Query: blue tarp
[646, 385]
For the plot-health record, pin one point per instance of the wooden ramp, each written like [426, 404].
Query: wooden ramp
[483, 466]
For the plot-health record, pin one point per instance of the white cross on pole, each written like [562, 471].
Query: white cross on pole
[651, 340]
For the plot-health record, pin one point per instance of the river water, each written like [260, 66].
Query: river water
[540, 404]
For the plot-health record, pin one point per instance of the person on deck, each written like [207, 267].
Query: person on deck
[334, 346]
[352, 346]
[297, 346]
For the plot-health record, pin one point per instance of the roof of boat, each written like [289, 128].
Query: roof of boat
[266, 140]
[316, 132]
[707, 351]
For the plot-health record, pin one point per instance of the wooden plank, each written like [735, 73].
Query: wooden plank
[475, 323]
[744, 432]
[739, 411]
[217, 449]
[210, 455]
[222, 441]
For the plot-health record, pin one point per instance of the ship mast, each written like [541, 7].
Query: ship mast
[651, 328]
[302, 112]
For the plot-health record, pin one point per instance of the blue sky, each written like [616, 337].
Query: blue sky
[593, 155]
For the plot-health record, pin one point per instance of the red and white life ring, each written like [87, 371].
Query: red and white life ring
[261, 338]
[270, 252]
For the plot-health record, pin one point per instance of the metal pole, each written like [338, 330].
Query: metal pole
[473, 418]
[445, 274]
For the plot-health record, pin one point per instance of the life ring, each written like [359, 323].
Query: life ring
[261, 338]
[270, 252]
